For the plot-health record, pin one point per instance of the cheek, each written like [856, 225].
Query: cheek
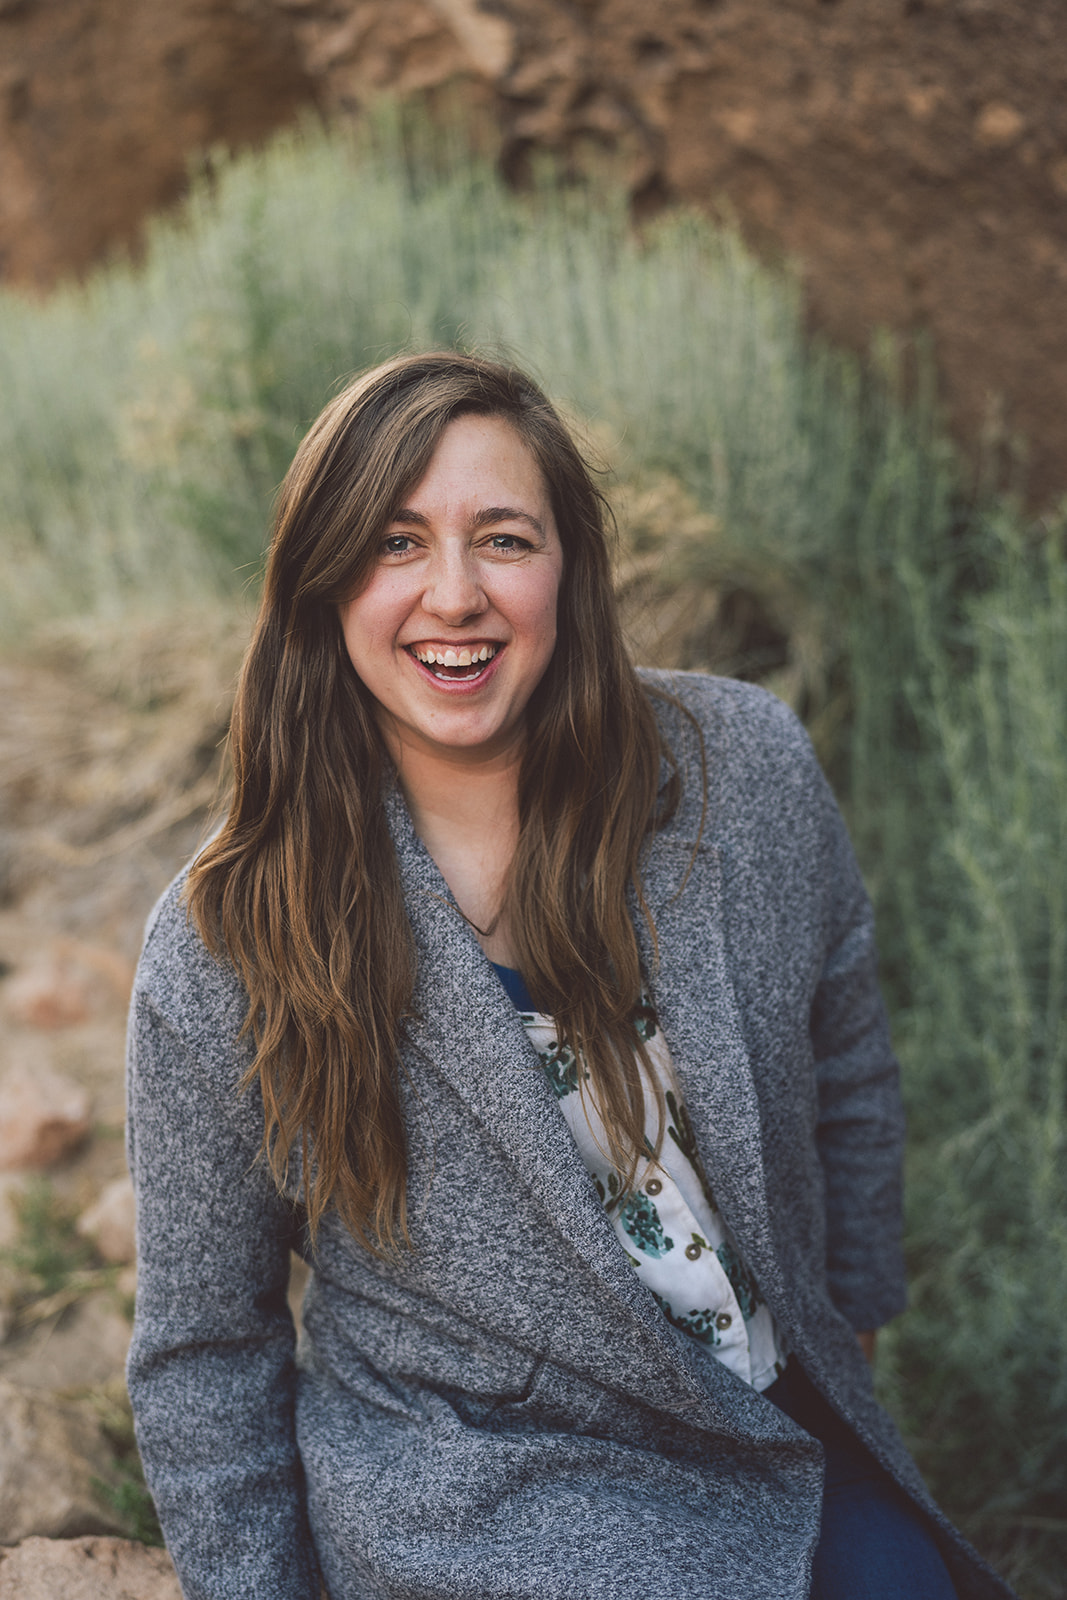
[536, 627]
[352, 627]
[371, 619]
[551, 611]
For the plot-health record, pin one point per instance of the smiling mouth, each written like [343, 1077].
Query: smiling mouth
[455, 663]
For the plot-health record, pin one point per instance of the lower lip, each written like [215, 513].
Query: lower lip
[458, 686]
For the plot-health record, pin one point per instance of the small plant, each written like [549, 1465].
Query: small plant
[133, 1505]
[50, 1266]
[126, 1494]
[49, 1254]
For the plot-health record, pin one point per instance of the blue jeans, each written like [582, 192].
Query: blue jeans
[873, 1544]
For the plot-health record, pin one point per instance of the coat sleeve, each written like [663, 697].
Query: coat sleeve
[860, 1129]
[211, 1373]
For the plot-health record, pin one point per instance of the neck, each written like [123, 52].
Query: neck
[461, 799]
[466, 812]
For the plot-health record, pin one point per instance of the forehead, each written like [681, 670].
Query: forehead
[476, 457]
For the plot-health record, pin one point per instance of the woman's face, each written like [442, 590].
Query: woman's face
[454, 628]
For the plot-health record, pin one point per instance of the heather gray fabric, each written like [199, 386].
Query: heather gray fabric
[506, 1414]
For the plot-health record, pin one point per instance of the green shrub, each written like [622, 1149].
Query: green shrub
[978, 1368]
[146, 419]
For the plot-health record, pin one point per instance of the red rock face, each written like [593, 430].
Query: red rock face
[105, 101]
[911, 155]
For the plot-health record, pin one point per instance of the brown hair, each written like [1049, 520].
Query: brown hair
[301, 888]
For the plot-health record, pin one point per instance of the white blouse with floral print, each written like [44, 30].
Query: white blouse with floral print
[668, 1224]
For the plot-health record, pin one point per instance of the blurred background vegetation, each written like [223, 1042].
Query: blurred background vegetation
[785, 512]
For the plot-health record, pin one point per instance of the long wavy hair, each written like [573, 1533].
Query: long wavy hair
[300, 889]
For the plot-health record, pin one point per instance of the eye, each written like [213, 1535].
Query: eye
[509, 542]
[397, 544]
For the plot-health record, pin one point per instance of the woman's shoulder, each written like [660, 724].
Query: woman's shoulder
[751, 781]
[743, 728]
[191, 988]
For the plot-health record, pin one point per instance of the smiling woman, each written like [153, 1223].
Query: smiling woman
[532, 999]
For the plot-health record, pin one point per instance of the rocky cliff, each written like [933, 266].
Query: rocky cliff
[910, 155]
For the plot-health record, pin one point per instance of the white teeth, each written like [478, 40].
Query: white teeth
[464, 657]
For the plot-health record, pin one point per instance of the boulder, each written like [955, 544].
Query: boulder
[86, 1569]
[48, 995]
[109, 1223]
[52, 1453]
[44, 1117]
[83, 1344]
[67, 984]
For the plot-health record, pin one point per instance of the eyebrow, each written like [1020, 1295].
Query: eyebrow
[481, 519]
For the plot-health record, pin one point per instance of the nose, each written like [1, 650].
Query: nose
[454, 592]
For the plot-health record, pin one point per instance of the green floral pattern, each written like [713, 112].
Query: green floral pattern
[562, 1069]
[699, 1325]
[641, 1220]
[667, 1224]
[680, 1129]
[645, 1025]
[609, 1190]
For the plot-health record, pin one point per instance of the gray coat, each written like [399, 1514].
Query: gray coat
[506, 1414]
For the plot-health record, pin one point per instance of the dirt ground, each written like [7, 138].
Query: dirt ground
[109, 753]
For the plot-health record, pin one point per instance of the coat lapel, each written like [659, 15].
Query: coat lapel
[697, 1009]
[470, 1030]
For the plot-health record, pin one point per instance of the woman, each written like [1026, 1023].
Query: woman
[562, 1316]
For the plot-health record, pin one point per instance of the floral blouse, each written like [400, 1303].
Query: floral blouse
[668, 1224]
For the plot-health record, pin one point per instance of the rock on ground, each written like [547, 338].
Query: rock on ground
[66, 984]
[86, 1569]
[109, 1223]
[84, 1344]
[50, 1455]
[44, 1116]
